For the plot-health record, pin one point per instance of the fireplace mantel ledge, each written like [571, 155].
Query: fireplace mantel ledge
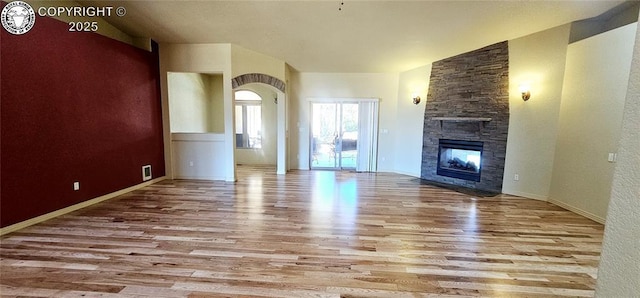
[481, 120]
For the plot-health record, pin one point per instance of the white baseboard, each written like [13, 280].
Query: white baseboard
[50, 215]
[407, 173]
[526, 195]
[586, 214]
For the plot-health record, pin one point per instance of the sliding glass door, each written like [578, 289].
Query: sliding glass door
[336, 134]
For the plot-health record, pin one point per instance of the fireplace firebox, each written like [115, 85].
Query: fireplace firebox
[460, 159]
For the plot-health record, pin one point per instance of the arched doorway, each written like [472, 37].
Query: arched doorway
[279, 87]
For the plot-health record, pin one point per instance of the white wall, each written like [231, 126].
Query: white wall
[267, 155]
[619, 271]
[595, 85]
[343, 85]
[410, 120]
[540, 60]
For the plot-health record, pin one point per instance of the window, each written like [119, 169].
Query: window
[248, 119]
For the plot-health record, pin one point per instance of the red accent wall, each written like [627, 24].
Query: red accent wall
[74, 107]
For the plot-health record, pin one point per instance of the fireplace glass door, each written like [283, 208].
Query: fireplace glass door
[460, 159]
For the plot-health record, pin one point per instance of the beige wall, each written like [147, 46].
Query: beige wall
[410, 120]
[304, 86]
[595, 84]
[539, 59]
[266, 155]
[201, 58]
[619, 271]
[191, 103]
[216, 112]
[245, 61]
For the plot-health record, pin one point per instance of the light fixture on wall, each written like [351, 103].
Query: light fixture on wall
[525, 89]
[416, 99]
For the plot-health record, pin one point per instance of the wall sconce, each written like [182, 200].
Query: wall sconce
[416, 99]
[526, 91]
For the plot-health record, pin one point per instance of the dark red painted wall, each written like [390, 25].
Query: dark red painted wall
[74, 107]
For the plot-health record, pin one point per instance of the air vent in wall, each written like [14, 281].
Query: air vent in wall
[146, 173]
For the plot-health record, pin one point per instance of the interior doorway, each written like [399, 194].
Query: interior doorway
[343, 135]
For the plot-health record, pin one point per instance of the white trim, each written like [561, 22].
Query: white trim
[406, 173]
[526, 195]
[579, 211]
[50, 215]
[281, 133]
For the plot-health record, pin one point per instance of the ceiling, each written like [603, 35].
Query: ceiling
[349, 36]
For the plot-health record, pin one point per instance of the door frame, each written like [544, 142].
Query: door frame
[336, 100]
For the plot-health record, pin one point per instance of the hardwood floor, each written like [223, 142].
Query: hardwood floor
[306, 234]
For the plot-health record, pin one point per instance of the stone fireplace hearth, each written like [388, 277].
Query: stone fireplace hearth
[468, 107]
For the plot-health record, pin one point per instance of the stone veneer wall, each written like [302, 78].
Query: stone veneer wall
[257, 78]
[474, 84]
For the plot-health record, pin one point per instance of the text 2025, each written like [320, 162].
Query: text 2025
[83, 26]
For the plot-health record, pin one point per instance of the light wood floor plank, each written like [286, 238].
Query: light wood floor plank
[306, 234]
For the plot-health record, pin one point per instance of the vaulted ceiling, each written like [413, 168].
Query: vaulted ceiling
[349, 36]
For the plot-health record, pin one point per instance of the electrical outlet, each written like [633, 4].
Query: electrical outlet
[76, 185]
[612, 157]
[516, 177]
[191, 163]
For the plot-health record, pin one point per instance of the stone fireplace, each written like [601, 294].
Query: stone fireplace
[467, 119]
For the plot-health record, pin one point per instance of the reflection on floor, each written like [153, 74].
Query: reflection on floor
[309, 233]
